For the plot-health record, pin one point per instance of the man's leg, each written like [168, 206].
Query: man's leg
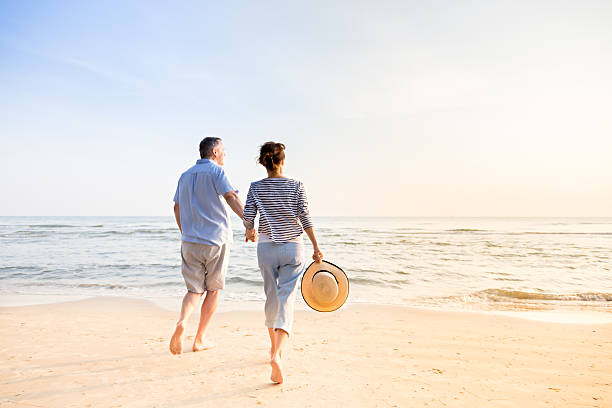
[190, 302]
[217, 258]
[209, 306]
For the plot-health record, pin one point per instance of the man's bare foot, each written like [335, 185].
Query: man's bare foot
[203, 345]
[277, 370]
[176, 342]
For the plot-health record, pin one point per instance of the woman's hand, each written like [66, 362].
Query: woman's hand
[317, 255]
[251, 235]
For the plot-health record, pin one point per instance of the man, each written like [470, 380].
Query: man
[206, 235]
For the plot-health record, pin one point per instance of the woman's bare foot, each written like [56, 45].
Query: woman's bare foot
[203, 345]
[277, 370]
[176, 342]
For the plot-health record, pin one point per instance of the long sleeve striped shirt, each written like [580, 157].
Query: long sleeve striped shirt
[282, 207]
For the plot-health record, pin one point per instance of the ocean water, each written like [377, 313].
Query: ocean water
[482, 264]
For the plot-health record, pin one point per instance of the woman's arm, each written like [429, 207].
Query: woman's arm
[306, 221]
[248, 218]
[317, 255]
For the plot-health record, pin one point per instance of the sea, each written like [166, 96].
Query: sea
[554, 269]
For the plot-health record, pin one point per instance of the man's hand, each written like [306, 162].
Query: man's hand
[251, 235]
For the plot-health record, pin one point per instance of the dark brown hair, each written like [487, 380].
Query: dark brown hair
[271, 154]
[207, 145]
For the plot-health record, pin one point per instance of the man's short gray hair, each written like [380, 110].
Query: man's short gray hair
[207, 145]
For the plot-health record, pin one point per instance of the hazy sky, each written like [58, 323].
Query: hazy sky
[416, 108]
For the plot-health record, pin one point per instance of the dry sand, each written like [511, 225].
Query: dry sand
[113, 352]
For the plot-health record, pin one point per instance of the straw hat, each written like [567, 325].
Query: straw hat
[325, 286]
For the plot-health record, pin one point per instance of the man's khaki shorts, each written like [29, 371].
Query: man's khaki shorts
[204, 266]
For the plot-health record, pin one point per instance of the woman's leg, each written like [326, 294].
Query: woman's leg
[280, 341]
[288, 277]
[272, 340]
[269, 273]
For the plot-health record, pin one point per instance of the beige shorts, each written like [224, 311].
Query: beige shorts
[204, 266]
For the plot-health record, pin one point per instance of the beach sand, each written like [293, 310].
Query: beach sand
[113, 352]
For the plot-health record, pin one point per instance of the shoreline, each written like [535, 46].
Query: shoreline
[551, 314]
[110, 351]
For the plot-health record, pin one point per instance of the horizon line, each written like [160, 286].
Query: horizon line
[344, 216]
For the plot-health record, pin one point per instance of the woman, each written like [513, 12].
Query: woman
[283, 216]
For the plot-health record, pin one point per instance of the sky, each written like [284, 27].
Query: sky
[387, 108]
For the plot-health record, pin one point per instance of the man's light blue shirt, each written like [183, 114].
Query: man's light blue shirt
[204, 219]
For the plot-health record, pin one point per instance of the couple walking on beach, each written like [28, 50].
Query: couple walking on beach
[206, 236]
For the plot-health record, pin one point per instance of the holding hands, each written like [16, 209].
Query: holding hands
[251, 235]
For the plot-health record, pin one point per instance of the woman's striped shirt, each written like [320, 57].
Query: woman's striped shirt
[282, 207]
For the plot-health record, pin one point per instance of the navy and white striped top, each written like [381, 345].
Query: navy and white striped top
[282, 207]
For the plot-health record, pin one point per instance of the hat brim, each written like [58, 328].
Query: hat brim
[307, 290]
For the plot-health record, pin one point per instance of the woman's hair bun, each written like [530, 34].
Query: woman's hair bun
[271, 154]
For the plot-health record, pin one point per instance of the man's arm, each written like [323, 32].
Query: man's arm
[177, 215]
[234, 202]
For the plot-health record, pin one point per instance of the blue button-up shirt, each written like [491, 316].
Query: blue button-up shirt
[204, 219]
